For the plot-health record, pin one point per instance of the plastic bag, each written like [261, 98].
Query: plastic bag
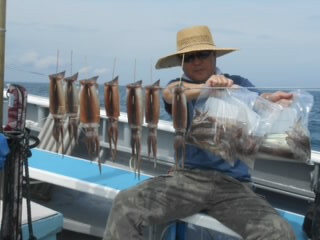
[231, 123]
[289, 137]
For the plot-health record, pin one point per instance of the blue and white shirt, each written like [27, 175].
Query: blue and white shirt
[202, 159]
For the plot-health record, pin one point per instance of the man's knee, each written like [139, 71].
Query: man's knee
[125, 199]
[276, 229]
[286, 229]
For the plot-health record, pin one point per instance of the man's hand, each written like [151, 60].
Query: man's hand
[282, 98]
[218, 81]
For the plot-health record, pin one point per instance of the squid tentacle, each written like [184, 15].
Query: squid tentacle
[113, 136]
[135, 119]
[179, 116]
[112, 106]
[152, 114]
[152, 144]
[90, 117]
[73, 129]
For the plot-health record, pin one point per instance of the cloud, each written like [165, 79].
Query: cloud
[85, 70]
[100, 71]
[46, 62]
[29, 57]
[33, 59]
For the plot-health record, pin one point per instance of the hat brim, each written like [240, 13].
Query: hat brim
[173, 60]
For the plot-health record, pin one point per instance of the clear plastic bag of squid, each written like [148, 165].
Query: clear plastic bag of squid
[231, 123]
[289, 137]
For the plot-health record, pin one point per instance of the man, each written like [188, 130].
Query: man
[207, 183]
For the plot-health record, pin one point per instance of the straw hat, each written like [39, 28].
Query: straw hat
[196, 38]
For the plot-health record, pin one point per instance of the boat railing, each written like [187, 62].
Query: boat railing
[293, 179]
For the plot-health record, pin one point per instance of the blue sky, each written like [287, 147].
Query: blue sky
[278, 40]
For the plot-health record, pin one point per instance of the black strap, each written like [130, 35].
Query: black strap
[316, 218]
[27, 153]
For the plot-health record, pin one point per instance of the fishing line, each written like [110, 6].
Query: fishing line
[162, 88]
[114, 67]
[151, 71]
[71, 63]
[134, 70]
[57, 61]
[182, 72]
[86, 67]
[253, 88]
[271, 88]
[23, 70]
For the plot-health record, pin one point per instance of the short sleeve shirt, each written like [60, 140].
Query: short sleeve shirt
[200, 158]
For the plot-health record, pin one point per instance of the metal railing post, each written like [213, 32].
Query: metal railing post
[2, 54]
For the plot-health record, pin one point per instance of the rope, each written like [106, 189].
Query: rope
[12, 195]
[26, 154]
[19, 154]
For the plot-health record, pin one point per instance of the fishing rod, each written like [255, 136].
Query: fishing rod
[2, 54]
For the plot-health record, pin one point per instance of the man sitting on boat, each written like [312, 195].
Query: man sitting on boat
[207, 182]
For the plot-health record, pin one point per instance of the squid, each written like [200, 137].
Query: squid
[112, 106]
[152, 115]
[57, 107]
[90, 116]
[72, 106]
[135, 120]
[179, 119]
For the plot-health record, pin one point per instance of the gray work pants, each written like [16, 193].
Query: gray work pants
[186, 192]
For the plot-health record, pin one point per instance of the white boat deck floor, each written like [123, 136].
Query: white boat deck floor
[46, 222]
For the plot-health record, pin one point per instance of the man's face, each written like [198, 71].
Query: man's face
[200, 65]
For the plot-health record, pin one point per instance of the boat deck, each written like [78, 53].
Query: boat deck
[79, 185]
[45, 221]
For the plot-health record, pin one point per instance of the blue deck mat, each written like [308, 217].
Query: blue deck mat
[296, 221]
[84, 170]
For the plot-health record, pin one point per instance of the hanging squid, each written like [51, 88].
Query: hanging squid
[179, 118]
[135, 120]
[72, 106]
[57, 107]
[152, 115]
[112, 106]
[90, 116]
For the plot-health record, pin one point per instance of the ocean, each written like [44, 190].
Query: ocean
[42, 89]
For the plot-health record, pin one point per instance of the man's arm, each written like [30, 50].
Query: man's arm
[193, 89]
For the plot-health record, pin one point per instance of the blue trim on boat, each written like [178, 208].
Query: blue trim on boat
[77, 168]
[296, 221]
[45, 228]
